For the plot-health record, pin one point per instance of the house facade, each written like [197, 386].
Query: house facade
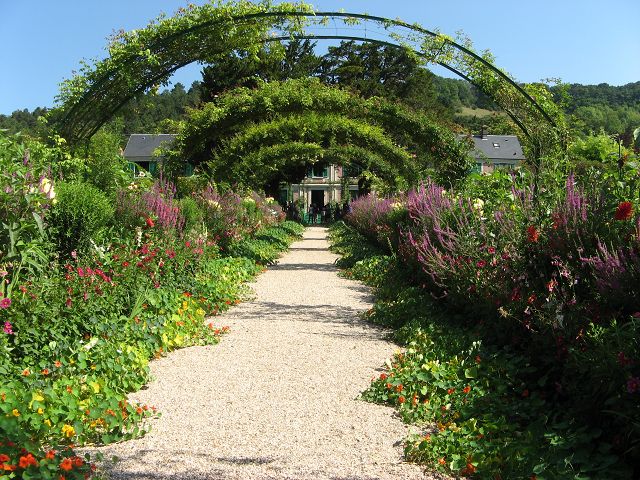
[323, 184]
[492, 152]
[141, 151]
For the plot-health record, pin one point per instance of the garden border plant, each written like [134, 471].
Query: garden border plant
[82, 318]
[522, 371]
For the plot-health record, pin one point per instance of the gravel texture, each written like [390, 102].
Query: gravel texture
[277, 398]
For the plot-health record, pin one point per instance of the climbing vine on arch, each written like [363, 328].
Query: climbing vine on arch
[403, 145]
[143, 59]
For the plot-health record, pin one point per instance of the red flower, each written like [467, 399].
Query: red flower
[66, 465]
[27, 460]
[383, 376]
[450, 391]
[399, 388]
[467, 389]
[481, 264]
[4, 458]
[401, 399]
[149, 222]
[624, 211]
[532, 234]
[491, 250]
[5, 303]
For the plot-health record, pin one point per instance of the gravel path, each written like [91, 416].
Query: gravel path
[276, 399]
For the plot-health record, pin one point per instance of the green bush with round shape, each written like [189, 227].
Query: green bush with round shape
[80, 216]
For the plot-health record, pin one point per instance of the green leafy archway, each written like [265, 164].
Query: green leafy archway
[238, 158]
[145, 58]
[400, 143]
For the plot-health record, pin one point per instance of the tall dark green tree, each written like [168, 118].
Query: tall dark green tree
[293, 59]
[384, 71]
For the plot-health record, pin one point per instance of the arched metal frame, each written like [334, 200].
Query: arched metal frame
[79, 121]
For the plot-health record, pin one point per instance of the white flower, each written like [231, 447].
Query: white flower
[397, 206]
[213, 204]
[91, 343]
[478, 204]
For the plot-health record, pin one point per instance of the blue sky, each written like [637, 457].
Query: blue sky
[579, 41]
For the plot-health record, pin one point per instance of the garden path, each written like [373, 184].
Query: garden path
[277, 398]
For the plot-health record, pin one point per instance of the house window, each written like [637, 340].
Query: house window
[503, 166]
[318, 171]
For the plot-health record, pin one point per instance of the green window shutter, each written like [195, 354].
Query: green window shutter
[325, 172]
[153, 168]
[188, 169]
[310, 172]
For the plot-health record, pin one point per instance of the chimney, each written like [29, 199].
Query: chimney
[484, 132]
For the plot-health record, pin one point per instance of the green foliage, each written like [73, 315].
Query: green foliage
[193, 215]
[80, 216]
[298, 122]
[275, 62]
[78, 335]
[106, 169]
[25, 198]
[266, 245]
[160, 47]
[488, 410]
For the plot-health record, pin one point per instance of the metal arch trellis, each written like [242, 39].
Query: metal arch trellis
[79, 121]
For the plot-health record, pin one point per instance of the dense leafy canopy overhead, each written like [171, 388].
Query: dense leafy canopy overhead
[142, 59]
[401, 143]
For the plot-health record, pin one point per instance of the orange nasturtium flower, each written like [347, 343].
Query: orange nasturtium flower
[66, 465]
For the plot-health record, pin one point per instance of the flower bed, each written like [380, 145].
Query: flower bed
[520, 321]
[83, 313]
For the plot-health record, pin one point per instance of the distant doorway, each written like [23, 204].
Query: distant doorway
[317, 198]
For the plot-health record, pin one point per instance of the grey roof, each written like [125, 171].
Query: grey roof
[143, 144]
[497, 147]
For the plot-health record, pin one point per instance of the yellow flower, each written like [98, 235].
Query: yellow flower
[68, 431]
[40, 411]
[200, 312]
[185, 306]
[47, 422]
[15, 412]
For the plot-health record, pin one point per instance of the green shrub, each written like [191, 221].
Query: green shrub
[80, 216]
[193, 215]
